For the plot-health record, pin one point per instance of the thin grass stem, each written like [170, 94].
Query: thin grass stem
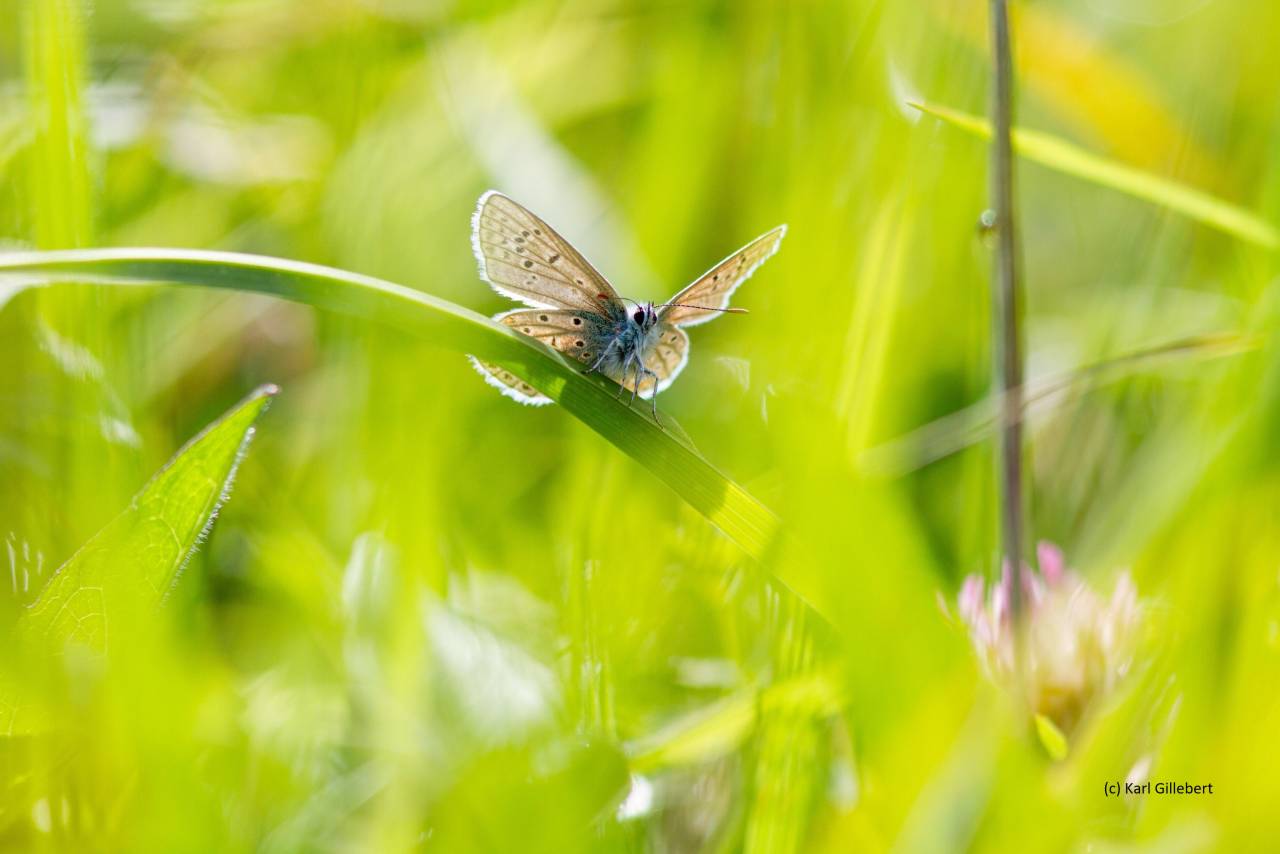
[1008, 303]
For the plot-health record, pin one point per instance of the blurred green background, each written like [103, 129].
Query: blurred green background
[428, 617]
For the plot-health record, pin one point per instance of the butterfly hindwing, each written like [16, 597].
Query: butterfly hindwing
[508, 383]
[713, 288]
[666, 358]
[524, 258]
[577, 334]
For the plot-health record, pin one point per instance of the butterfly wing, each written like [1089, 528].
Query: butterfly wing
[714, 287]
[508, 383]
[524, 258]
[577, 334]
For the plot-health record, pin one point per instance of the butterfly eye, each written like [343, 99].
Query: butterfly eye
[638, 317]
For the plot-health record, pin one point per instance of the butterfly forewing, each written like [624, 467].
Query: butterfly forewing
[524, 258]
[712, 290]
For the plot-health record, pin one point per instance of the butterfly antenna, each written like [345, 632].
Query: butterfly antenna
[729, 310]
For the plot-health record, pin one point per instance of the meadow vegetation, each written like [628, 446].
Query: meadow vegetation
[284, 575]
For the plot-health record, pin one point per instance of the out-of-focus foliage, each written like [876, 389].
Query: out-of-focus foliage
[430, 618]
[103, 599]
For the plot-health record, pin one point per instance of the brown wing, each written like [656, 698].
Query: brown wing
[524, 258]
[714, 287]
[577, 334]
[508, 383]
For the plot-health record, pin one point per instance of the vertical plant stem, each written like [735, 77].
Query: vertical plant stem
[57, 170]
[788, 740]
[1008, 299]
[59, 200]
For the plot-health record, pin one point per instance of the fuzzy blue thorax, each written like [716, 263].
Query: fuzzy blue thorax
[635, 330]
[630, 337]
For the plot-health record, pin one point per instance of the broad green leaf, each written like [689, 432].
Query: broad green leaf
[105, 591]
[1049, 150]
[663, 450]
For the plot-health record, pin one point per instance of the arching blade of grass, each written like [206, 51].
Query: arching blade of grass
[965, 427]
[589, 398]
[103, 593]
[1055, 153]
[719, 729]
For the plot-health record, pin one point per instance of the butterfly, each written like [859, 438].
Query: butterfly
[574, 309]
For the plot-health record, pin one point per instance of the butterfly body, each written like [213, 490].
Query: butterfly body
[576, 311]
[628, 346]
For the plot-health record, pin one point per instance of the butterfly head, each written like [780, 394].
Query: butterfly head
[644, 316]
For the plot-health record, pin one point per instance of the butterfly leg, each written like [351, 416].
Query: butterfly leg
[635, 384]
[603, 354]
[653, 398]
[622, 381]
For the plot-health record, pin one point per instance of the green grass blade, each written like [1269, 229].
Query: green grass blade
[105, 590]
[589, 398]
[958, 430]
[57, 170]
[719, 729]
[1055, 153]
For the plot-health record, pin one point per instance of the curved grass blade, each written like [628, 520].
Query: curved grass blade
[105, 591]
[720, 728]
[1049, 150]
[589, 398]
[968, 426]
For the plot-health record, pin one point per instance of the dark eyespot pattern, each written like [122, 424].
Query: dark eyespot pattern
[577, 321]
[543, 318]
[527, 263]
[579, 343]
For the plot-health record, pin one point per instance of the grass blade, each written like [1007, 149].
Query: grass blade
[719, 729]
[57, 169]
[958, 430]
[666, 453]
[105, 590]
[1070, 159]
